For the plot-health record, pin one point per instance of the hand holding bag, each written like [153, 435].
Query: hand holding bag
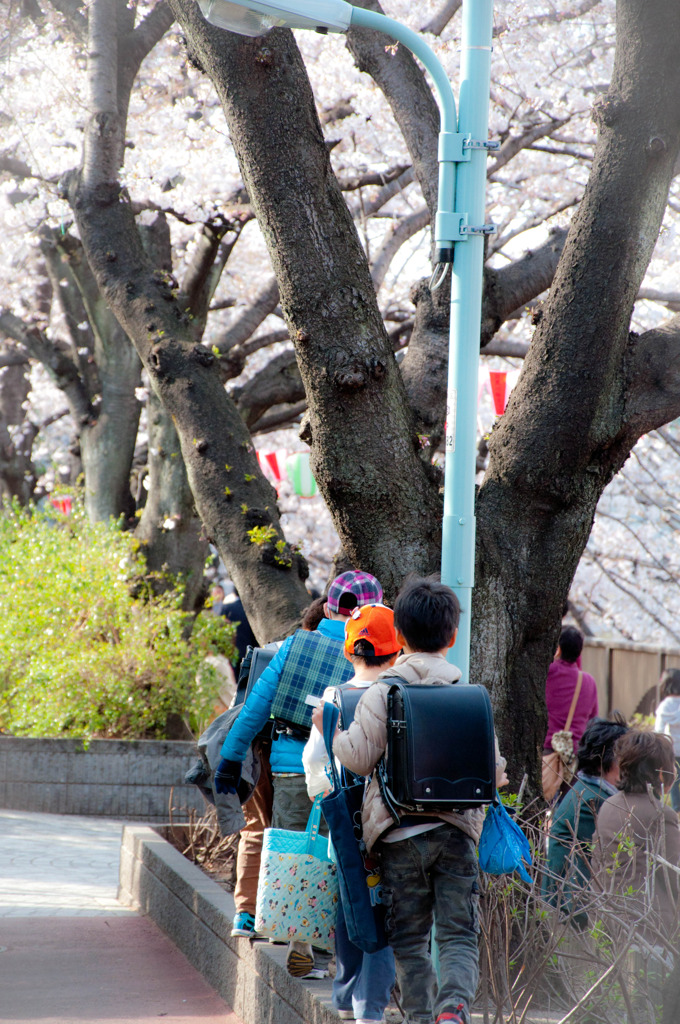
[297, 893]
[358, 885]
[559, 765]
[503, 847]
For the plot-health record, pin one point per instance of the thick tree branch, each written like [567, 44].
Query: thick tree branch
[209, 259]
[367, 209]
[13, 357]
[403, 83]
[398, 234]
[17, 168]
[135, 44]
[506, 348]
[438, 23]
[58, 364]
[352, 182]
[249, 320]
[515, 143]
[59, 264]
[277, 383]
[276, 420]
[72, 11]
[653, 392]
[511, 287]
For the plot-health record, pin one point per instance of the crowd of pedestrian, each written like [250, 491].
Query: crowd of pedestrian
[612, 793]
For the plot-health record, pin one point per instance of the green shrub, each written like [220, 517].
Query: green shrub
[79, 654]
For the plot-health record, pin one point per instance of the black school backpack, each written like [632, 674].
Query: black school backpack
[440, 754]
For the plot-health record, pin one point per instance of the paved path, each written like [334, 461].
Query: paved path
[69, 952]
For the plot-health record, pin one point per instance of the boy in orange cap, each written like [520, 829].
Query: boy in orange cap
[363, 982]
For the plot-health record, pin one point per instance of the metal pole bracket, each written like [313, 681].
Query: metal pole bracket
[457, 147]
[482, 229]
[490, 145]
[453, 227]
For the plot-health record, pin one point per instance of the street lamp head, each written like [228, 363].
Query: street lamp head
[255, 17]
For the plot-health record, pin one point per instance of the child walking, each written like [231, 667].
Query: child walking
[428, 863]
[363, 982]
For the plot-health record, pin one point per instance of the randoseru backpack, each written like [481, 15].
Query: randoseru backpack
[440, 753]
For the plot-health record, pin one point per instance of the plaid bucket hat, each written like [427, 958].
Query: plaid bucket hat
[361, 585]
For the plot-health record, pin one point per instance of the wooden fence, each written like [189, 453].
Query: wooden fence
[627, 674]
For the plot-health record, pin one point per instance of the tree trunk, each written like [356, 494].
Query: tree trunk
[235, 502]
[588, 389]
[364, 452]
[107, 445]
[169, 529]
[17, 433]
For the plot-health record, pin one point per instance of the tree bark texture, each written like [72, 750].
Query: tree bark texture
[235, 502]
[175, 544]
[170, 531]
[110, 370]
[363, 446]
[17, 433]
[588, 389]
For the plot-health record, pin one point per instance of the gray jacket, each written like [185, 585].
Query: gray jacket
[230, 816]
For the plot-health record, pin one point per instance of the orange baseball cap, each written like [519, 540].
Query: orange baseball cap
[375, 623]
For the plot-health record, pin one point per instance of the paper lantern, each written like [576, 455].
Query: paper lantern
[499, 391]
[63, 504]
[272, 465]
[300, 475]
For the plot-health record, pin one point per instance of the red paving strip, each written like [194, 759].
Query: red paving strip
[99, 970]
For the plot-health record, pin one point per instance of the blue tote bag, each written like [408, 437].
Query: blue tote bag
[503, 847]
[297, 892]
[358, 885]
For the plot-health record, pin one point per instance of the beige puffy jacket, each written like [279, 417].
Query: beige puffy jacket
[361, 746]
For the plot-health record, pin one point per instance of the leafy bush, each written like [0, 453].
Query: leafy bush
[80, 655]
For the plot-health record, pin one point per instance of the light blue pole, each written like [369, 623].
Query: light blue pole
[459, 220]
[458, 540]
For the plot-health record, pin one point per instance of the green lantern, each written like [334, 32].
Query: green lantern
[300, 475]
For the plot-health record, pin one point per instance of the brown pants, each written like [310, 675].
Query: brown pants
[258, 814]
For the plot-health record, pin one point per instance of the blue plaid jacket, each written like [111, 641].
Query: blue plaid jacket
[286, 755]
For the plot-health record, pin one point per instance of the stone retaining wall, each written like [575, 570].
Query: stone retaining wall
[140, 780]
[196, 914]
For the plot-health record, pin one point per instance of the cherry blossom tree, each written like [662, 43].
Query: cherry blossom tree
[599, 368]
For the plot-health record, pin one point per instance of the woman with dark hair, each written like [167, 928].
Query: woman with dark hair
[634, 828]
[573, 822]
[668, 722]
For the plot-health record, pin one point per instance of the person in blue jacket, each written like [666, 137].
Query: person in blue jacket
[320, 653]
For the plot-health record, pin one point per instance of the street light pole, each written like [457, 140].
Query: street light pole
[458, 528]
[459, 232]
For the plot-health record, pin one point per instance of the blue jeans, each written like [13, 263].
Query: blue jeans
[433, 876]
[363, 981]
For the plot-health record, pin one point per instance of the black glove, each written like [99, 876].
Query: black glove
[227, 776]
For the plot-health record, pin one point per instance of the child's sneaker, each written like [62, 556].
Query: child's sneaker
[345, 1014]
[244, 924]
[451, 1018]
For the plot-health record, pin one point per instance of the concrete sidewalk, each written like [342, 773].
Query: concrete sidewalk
[69, 951]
